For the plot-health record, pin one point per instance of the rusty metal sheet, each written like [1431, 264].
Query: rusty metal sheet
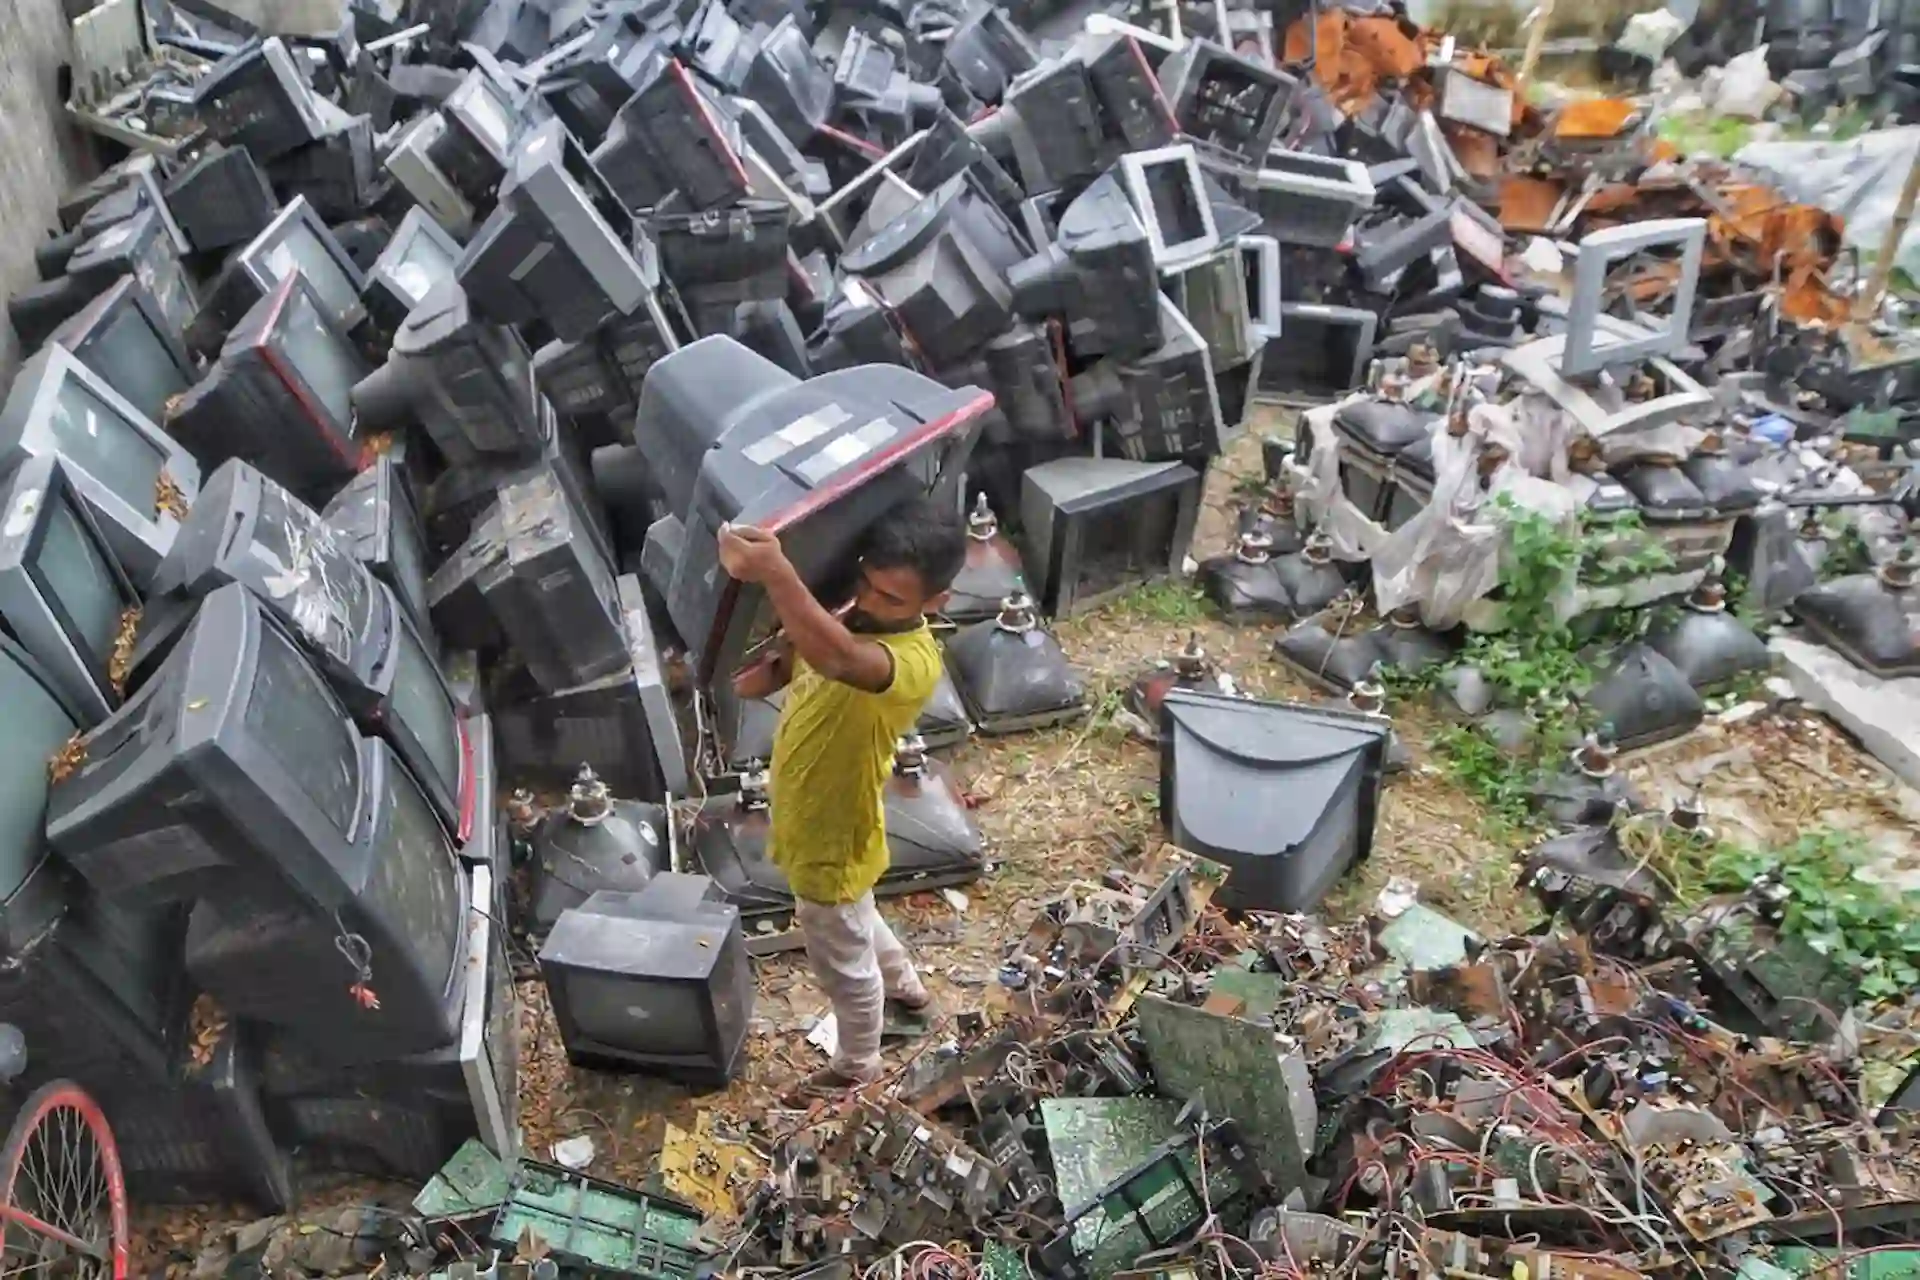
[1527, 204]
[1594, 118]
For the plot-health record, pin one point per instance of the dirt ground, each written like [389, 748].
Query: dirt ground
[1070, 802]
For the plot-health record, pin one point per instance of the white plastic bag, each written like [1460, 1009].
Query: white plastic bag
[1746, 90]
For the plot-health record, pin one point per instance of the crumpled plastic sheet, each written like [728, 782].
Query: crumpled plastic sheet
[1448, 555]
[1859, 180]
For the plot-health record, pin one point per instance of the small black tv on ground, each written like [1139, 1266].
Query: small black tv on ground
[656, 981]
[233, 773]
[404, 917]
[419, 256]
[280, 397]
[126, 339]
[222, 199]
[135, 480]
[62, 593]
[1095, 526]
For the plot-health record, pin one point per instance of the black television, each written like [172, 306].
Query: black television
[222, 199]
[400, 927]
[375, 519]
[135, 480]
[1093, 527]
[420, 255]
[256, 98]
[295, 241]
[34, 889]
[468, 381]
[126, 339]
[233, 773]
[657, 980]
[280, 396]
[555, 213]
[62, 593]
[142, 248]
[248, 529]
[552, 588]
[473, 150]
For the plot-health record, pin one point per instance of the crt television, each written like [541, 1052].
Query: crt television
[248, 529]
[40, 721]
[299, 241]
[419, 256]
[233, 773]
[126, 339]
[280, 395]
[737, 438]
[656, 980]
[1096, 526]
[135, 480]
[405, 896]
[375, 519]
[62, 593]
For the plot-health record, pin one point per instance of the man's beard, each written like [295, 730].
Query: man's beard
[864, 624]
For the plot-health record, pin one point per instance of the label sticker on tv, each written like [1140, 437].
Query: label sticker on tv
[801, 431]
[846, 450]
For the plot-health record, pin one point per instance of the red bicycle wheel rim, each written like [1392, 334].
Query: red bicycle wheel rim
[48, 1100]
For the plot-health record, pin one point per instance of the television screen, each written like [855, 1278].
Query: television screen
[62, 593]
[325, 361]
[421, 707]
[298, 241]
[39, 722]
[293, 715]
[416, 883]
[375, 519]
[96, 438]
[122, 337]
[614, 1009]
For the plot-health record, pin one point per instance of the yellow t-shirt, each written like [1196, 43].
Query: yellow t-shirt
[831, 758]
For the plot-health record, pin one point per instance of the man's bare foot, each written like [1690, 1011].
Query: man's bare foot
[827, 1082]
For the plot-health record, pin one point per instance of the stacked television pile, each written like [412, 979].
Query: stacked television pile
[371, 455]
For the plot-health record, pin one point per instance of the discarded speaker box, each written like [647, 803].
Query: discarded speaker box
[1214, 747]
[1094, 527]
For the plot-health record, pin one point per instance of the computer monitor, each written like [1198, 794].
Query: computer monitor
[222, 199]
[281, 395]
[299, 241]
[657, 980]
[134, 479]
[233, 773]
[126, 339]
[558, 214]
[404, 896]
[61, 591]
[375, 519]
[420, 255]
[248, 529]
[726, 450]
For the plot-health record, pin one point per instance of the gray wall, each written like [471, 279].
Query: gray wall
[40, 152]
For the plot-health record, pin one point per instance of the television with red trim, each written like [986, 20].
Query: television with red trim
[737, 438]
[280, 396]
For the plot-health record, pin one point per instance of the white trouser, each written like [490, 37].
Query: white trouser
[859, 964]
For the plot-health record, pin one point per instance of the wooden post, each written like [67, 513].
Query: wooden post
[1867, 305]
[1536, 37]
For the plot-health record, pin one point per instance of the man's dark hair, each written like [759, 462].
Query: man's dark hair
[922, 535]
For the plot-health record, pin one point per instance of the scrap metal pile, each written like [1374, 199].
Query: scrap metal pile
[1153, 1088]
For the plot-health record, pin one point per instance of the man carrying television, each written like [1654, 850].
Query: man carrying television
[853, 687]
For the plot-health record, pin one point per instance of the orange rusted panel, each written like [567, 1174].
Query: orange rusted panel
[1527, 203]
[1594, 118]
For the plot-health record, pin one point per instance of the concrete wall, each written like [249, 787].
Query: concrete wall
[41, 154]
